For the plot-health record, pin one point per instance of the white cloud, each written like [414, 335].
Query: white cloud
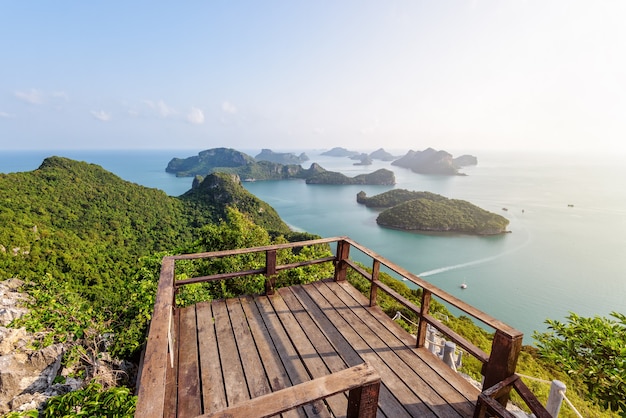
[195, 116]
[32, 96]
[161, 107]
[60, 95]
[101, 115]
[228, 107]
[6, 115]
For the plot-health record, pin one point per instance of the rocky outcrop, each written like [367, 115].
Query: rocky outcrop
[26, 374]
[29, 376]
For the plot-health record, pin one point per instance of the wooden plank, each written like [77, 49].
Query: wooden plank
[343, 318]
[171, 385]
[432, 387]
[306, 351]
[250, 360]
[320, 388]
[189, 402]
[287, 353]
[213, 392]
[389, 405]
[232, 370]
[270, 359]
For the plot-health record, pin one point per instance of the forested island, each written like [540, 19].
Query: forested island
[81, 250]
[431, 161]
[429, 212]
[227, 160]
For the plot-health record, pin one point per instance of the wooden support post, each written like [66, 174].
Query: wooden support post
[505, 351]
[270, 271]
[421, 328]
[374, 286]
[363, 401]
[343, 253]
[555, 398]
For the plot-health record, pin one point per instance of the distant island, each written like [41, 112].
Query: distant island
[379, 154]
[430, 212]
[431, 161]
[231, 161]
[379, 177]
[281, 157]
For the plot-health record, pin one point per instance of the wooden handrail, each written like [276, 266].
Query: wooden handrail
[362, 382]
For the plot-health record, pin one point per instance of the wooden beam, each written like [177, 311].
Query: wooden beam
[362, 378]
[270, 271]
[343, 254]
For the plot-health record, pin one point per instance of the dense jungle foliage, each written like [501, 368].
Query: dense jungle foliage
[89, 246]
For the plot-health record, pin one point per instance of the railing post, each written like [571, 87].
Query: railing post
[343, 253]
[421, 328]
[555, 398]
[363, 401]
[448, 354]
[505, 351]
[374, 286]
[270, 271]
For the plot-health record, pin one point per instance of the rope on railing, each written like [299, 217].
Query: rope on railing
[570, 404]
[399, 315]
[561, 392]
[534, 378]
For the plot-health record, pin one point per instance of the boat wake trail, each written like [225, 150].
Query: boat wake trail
[479, 261]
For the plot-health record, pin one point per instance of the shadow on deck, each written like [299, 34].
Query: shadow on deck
[320, 349]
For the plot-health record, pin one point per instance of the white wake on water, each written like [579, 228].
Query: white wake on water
[480, 260]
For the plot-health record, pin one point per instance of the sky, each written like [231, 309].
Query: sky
[454, 75]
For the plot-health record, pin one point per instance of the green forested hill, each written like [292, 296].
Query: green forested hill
[82, 224]
[82, 230]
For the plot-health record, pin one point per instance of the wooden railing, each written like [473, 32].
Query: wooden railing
[497, 366]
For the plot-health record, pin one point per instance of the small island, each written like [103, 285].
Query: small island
[281, 157]
[430, 212]
[381, 177]
[431, 161]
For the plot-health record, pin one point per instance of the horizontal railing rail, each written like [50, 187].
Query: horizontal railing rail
[362, 383]
[497, 366]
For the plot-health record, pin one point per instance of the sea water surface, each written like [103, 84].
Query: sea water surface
[566, 251]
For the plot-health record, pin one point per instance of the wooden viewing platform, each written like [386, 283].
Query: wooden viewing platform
[319, 349]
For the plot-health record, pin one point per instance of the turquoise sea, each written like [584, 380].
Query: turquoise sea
[557, 259]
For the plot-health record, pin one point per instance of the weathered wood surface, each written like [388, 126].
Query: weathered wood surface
[361, 381]
[252, 346]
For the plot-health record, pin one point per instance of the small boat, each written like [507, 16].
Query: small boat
[505, 209]
[463, 285]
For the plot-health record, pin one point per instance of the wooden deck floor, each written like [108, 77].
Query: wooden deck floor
[241, 348]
